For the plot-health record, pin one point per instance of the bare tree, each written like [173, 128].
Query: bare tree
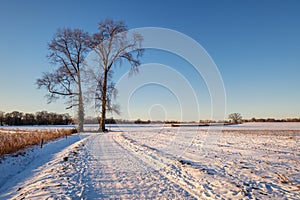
[113, 45]
[111, 94]
[94, 79]
[236, 118]
[1, 118]
[67, 51]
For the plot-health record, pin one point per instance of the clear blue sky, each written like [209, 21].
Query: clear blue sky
[255, 45]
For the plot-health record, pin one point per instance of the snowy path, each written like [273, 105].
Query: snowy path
[117, 172]
[99, 167]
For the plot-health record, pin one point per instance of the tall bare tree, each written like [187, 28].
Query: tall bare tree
[67, 51]
[111, 93]
[113, 45]
[94, 79]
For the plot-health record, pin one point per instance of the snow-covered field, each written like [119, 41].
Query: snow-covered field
[249, 161]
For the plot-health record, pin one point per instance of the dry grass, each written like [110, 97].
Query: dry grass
[12, 140]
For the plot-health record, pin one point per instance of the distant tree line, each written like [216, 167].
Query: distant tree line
[139, 121]
[272, 120]
[17, 118]
[95, 120]
[234, 118]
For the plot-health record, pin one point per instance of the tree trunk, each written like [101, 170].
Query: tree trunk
[80, 106]
[104, 101]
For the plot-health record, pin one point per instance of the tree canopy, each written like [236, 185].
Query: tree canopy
[67, 52]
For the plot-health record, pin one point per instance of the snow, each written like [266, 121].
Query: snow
[268, 126]
[248, 161]
[17, 168]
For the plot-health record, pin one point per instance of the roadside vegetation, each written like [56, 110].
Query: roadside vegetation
[13, 140]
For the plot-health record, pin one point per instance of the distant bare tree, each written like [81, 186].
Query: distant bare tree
[236, 118]
[1, 118]
[67, 51]
[113, 45]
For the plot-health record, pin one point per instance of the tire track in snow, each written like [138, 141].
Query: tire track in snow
[168, 168]
[115, 171]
